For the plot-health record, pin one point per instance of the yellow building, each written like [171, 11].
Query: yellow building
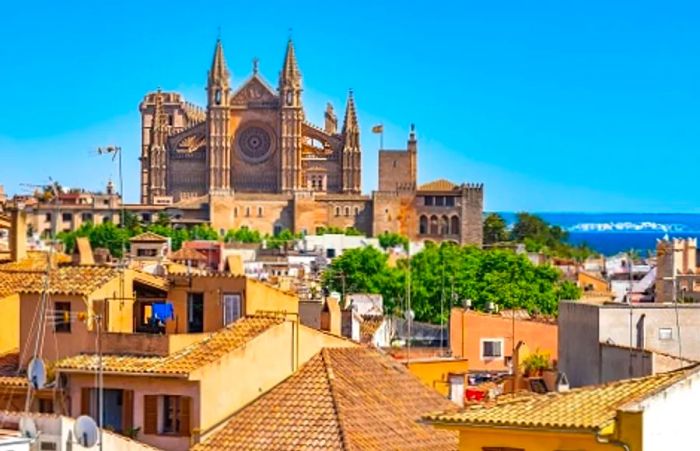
[650, 413]
[440, 374]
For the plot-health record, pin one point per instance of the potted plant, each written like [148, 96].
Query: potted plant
[536, 363]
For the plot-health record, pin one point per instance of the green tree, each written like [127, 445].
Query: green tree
[495, 230]
[243, 235]
[389, 240]
[278, 240]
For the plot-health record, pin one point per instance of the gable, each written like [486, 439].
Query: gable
[254, 90]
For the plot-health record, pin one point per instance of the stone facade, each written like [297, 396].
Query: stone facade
[252, 159]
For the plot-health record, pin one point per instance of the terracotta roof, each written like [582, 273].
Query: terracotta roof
[182, 362]
[586, 408]
[151, 280]
[187, 253]
[36, 261]
[148, 237]
[437, 185]
[81, 280]
[9, 374]
[343, 398]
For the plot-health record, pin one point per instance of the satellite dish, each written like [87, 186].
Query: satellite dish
[27, 427]
[85, 431]
[36, 373]
[409, 315]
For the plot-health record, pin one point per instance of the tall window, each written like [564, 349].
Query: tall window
[428, 201]
[61, 316]
[232, 307]
[423, 226]
[166, 415]
[260, 212]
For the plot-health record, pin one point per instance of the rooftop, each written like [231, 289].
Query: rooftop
[148, 237]
[437, 185]
[9, 370]
[66, 280]
[182, 362]
[343, 398]
[586, 408]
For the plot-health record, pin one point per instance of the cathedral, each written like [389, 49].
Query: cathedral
[252, 159]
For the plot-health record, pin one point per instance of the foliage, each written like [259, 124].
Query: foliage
[495, 230]
[539, 236]
[243, 235]
[442, 276]
[330, 230]
[105, 235]
[280, 239]
[535, 363]
[389, 240]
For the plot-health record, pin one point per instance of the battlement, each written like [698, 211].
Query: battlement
[677, 243]
[478, 187]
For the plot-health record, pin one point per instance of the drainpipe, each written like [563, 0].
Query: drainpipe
[608, 441]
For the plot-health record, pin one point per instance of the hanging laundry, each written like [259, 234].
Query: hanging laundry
[163, 311]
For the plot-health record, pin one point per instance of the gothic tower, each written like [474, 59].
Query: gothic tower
[157, 152]
[412, 149]
[218, 139]
[351, 149]
[291, 120]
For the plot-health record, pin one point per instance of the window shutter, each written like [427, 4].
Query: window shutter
[85, 400]
[127, 411]
[184, 411]
[150, 414]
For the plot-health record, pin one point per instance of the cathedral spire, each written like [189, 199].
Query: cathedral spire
[350, 124]
[290, 68]
[218, 74]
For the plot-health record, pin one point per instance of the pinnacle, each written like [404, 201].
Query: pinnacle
[290, 68]
[219, 70]
[350, 122]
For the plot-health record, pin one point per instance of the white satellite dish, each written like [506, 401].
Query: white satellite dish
[85, 431]
[27, 427]
[36, 373]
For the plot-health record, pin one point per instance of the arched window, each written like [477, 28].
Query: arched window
[434, 226]
[260, 212]
[235, 212]
[347, 211]
[247, 211]
[423, 225]
[337, 211]
[444, 225]
[357, 211]
[454, 225]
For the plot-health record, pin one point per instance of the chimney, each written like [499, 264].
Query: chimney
[18, 235]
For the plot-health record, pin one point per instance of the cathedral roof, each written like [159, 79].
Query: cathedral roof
[437, 185]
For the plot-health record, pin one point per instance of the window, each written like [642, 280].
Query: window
[423, 225]
[235, 212]
[106, 219]
[439, 201]
[147, 252]
[347, 211]
[195, 313]
[665, 333]
[330, 253]
[428, 201]
[232, 308]
[48, 217]
[118, 407]
[247, 212]
[260, 212]
[450, 201]
[491, 348]
[337, 211]
[87, 217]
[61, 316]
[166, 415]
[357, 211]
[171, 120]
[146, 217]
[67, 217]
[454, 225]
[277, 229]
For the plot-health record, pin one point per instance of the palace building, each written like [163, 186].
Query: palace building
[251, 158]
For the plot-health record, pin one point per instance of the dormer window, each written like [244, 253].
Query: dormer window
[217, 97]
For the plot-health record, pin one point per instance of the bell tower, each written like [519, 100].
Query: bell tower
[218, 139]
[291, 120]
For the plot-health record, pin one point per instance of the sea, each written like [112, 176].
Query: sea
[611, 233]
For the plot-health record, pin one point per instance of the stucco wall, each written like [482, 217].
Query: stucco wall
[469, 328]
[311, 341]
[9, 331]
[622, 363]
[670, 418]
[244, 374]
[579, 355]
[141, 386]
[434, 374]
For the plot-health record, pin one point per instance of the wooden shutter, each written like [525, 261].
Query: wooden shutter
[127, 410]
[85, 400]
[184, 413]
[150, 414]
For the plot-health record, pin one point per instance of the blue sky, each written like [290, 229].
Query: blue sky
[555, 106]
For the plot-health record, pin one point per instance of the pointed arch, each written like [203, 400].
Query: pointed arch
[423, 225]
[454, 225]
[434, 225]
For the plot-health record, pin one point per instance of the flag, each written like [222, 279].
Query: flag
[378, 128]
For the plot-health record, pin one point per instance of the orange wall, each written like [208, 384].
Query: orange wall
[468, 328]
[255, 296]
[435, 373]
[141, 385]
[9, 331]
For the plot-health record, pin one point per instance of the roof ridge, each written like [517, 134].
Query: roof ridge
[330, 377]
